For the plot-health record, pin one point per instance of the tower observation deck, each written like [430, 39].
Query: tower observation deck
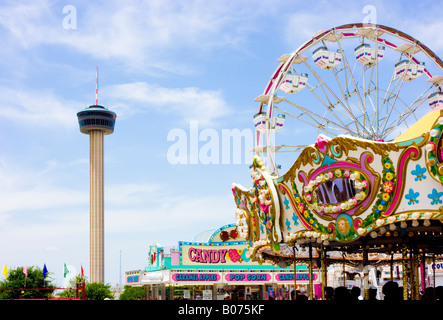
[96, 121]
[96, 118]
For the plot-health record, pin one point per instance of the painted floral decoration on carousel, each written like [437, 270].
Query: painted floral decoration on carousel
[263, 196]
[384, 197]
[434, 151]
[242, 222]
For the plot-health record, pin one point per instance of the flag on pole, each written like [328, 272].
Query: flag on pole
[65, 271]
[45, 271]
[82, 274]
[5, 271]
[25, 271]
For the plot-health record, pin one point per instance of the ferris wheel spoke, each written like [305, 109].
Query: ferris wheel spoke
[316, 124]
[377, 64]
[362, 106]
[299, 117]
[367, 92]
[350, 71]
[347, 95]
[371, 118]
[387, 104]
[333, 111]
[350, 114]
[343, 128]
[328, 106]
[323, 85]
[402, 117]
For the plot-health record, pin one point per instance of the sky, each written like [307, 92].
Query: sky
[178, 69]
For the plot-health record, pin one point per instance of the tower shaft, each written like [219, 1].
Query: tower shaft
[96, 121]
[96, 185]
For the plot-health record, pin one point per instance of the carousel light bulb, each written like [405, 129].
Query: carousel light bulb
[427, 215]
[434, 132]
[430, 147]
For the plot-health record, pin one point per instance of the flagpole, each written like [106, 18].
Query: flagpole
[45, 271]
[25, 271]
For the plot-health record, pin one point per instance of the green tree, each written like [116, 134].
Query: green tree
[71, 291]
[98, 291]
[93, 291]
[132, 293]
[16, 280]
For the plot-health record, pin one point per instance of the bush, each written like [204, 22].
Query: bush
[132, 293]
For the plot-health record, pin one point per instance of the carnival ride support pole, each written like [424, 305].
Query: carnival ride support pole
[311, 284]
[433, 271]
[392, 267]
[423, 272]
[417, 274]
[324, 277]
[365, 274]
[411, 272]
[404, 266]
[414, 278]
[295, 273]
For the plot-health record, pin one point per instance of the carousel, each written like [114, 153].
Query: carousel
[366, 188]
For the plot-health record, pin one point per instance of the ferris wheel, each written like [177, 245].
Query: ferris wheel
[365, 81]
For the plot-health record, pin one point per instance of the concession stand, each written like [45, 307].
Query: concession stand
[217, 269]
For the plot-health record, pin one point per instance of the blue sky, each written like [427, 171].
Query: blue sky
[162, 64]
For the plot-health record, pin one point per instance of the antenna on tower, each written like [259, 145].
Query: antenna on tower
[96, 85]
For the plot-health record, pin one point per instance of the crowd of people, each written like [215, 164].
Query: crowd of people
[391, 292]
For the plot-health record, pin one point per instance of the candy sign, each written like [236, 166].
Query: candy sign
[216, 255]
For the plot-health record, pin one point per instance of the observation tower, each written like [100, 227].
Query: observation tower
[96, 121]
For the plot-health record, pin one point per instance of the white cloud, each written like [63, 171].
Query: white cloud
[39, 108]
[28, 189]
[44, 109]
[190, 103]
[428, 32]
[140, 34]
[302, 24]
[322, 15]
